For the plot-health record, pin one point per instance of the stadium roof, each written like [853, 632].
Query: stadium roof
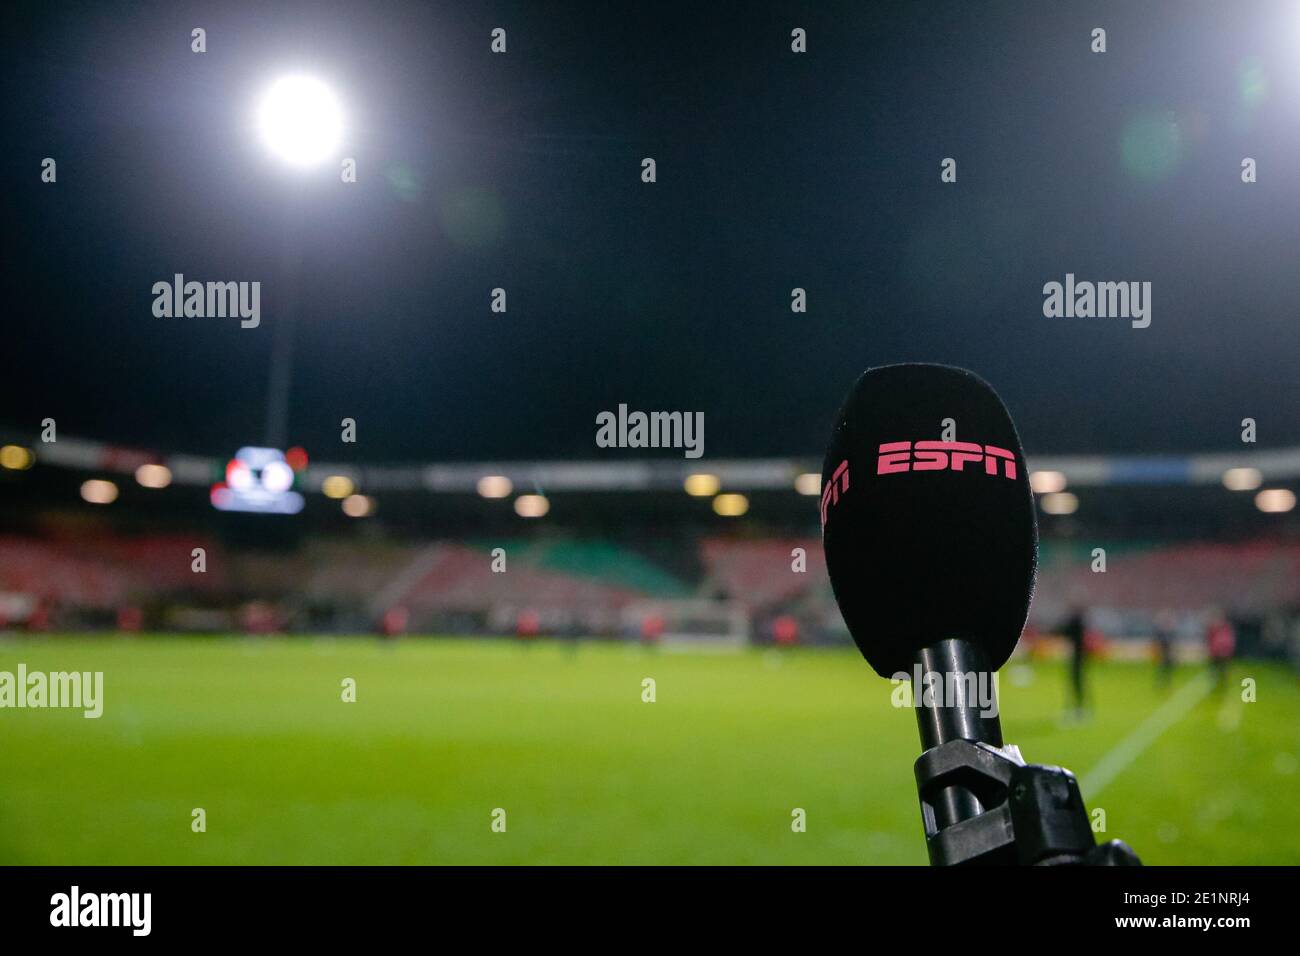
[770, 474]
[776, 171]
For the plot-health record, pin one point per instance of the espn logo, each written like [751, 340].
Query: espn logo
[899, 456]
[831, 493]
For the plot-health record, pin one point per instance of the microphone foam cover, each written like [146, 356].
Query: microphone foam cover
[927, 539]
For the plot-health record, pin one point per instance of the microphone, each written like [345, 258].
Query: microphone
[932, 548]
[928, 539]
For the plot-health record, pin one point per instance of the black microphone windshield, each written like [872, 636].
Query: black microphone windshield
[928, 525]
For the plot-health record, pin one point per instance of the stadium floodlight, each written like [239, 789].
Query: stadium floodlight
[338, 486]
[730, 505]
[1046, 482]
[1059, 503]
[1275, 500]
[1242, 479]
[16, 458]
[532, 506]
[701, 486]
[300, 120]
[153, 476]
[97, 491]
[495, 486]
[358, 506]
[808, 483]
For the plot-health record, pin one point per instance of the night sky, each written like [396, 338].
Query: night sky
[775, 170]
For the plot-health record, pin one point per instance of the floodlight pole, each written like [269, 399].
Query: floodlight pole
[281, 376]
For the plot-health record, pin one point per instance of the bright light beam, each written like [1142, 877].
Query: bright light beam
[300, 120]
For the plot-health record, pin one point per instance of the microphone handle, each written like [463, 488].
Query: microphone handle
[943, 720]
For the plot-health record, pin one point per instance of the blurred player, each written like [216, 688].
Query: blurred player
[785, 631]
[528, 624]
[652, 631]
[393, 624]
[1221, 644]
[1164, 637]
[1074, 631]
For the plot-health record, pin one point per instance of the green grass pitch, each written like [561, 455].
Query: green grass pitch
[255, 732]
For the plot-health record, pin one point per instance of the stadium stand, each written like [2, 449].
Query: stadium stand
[759, 572]
[103, 573]
[586, 586]
[1245, 578]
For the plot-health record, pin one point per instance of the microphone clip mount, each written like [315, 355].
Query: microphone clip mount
[1029, 814]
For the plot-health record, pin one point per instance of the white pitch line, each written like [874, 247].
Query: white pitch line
[1118, 758]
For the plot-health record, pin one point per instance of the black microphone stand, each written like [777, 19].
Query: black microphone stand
[980, 802]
